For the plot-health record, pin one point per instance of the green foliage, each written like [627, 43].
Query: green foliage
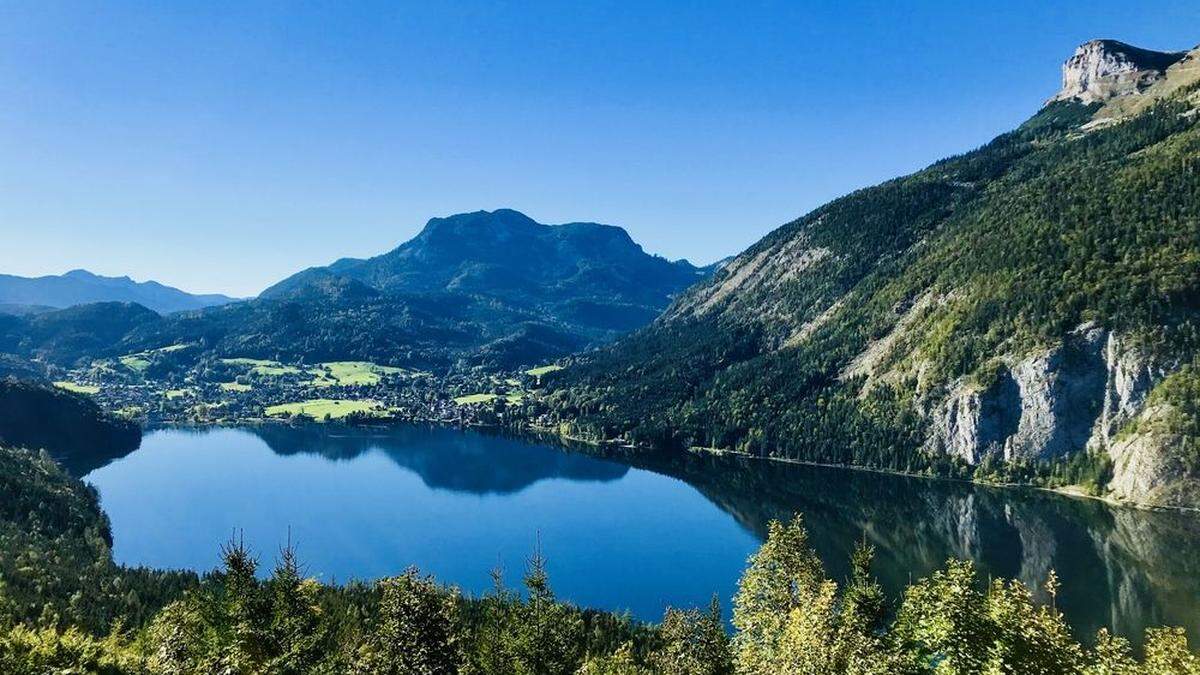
[791, 619]
[55, 564]
[549, 639]
[417, 629]
[65, 607]
[693, 643]
[37, 651]
[948, 621]
[992, 253]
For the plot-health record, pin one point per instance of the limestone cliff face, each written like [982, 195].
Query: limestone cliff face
[1076, 396]
[1043, 406]
[1104, 69]
[1145, 469]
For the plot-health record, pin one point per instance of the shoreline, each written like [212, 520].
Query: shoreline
[1065, 491]
[566, 441]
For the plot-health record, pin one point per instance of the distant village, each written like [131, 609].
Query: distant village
[155, 388]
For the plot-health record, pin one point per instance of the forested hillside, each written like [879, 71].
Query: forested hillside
[1027, 310]
[69, 426]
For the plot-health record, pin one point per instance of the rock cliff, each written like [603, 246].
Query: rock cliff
[1104, 69]
[1085, 394]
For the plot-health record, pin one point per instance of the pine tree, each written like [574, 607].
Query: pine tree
[550, 638]
[416, 629]
[296, 630]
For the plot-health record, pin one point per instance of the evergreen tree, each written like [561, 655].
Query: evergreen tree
[550, 635]
[296, 630]
[416, 629]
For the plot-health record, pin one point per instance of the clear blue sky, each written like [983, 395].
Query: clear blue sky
[219, 146]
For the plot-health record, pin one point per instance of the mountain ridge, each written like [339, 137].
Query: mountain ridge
[79, 286]
[485, 287]
[1103, 69]
[471, 251]
[1011, 313]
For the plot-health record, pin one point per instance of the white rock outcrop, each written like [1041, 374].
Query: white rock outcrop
[1104, 69]
[1076, 396]
[1042, 406]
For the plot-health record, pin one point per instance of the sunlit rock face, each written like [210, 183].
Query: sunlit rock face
[1087, 393]
[1104, 69]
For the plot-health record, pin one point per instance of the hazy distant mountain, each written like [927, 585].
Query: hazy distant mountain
[23, 310]
[79, 287]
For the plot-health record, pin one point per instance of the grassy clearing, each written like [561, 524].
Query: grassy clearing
[78, 388]
[318, 408]
[176, 393]
[138, 363]
[328, 374]
[235, 386]
[264, 367]
[542, 370]
[249, 362]
[351, 373]
[475, 398]
[171, 348]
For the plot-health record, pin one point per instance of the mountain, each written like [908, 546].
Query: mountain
[1104, 69]
[585, 275]
[492, 288]
[79, 287]
[1026, 311]
[66, 335]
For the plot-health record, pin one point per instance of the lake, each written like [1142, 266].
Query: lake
[633, 533]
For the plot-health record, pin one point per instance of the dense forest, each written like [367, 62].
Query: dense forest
[838, 337]
[66, 608]
[70, 426]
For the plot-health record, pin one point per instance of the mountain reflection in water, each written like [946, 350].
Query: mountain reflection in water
[1123, 568]
[685, 522]
[447, 459]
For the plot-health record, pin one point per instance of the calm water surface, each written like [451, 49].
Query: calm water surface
[633, 534]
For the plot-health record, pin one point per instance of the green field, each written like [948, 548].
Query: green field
[176, 393]
[542, 370]
[350, 373]
[513, 398]
[318, 408]
[78, 388]
[275, 370]
[264, 367]
[136, 362]
[249, 362]
[171, 348]
[475, 398]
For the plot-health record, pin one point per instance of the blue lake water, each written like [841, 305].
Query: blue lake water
[623, 533]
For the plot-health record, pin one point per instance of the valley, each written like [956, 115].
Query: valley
[946, 424]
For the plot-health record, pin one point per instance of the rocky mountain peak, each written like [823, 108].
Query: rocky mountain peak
[1103, 69]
